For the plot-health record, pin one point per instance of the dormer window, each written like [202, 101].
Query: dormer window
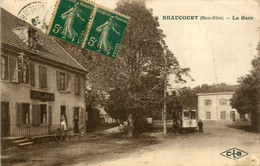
[32, 38]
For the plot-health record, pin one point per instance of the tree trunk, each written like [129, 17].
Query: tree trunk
[130, 127]
[255, 121]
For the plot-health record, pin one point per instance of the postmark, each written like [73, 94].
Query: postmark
[70, 20]
[36, 14]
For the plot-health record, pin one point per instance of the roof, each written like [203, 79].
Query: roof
[50, 50]
[216, 93]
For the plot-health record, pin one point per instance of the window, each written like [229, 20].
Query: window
[77, 84]
[63, 81]
[60, 81]
[25, 113]
[207, 102]
[4, 67]
[32, 38]
[21, 71]
[76, 112]
[43, 113]
[232, 115]
[13, 68]
[186, 114]
[208, 116]
[223, 102]
[39, 114]
[25, 73]
[223, 114]
[192, 115]
[43, 76]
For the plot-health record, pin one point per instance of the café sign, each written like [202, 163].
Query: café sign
[43, 96]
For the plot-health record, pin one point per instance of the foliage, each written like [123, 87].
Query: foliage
[133, 82]
[146, 59]
[186, 97]
[247, 98]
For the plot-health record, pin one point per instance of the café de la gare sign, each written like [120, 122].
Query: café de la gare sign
[42, 96]
[88, 25]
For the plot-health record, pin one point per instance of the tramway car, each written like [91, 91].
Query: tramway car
[185, 120]
[189, 120]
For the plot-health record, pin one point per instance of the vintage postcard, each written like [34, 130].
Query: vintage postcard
[130, 82]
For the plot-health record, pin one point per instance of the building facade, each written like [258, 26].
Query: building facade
[40, 82]
[216, 106]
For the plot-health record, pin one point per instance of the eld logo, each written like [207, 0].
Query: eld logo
[234, 153]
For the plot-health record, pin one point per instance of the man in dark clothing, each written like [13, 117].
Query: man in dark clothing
[200, 124]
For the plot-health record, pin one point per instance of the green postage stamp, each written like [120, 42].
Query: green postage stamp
[70, 20]
[89, 25]
[106, 32]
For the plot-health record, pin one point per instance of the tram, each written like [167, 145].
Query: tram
[185, 121]
[189, 120]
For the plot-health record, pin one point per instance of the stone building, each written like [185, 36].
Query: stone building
[40, 81]
[216, 106]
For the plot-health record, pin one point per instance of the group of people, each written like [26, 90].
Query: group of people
[63, 123]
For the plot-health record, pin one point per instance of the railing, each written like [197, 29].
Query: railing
[21, 130]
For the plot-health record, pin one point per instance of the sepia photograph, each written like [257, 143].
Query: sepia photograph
[130, 83]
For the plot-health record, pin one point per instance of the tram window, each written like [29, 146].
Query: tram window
[186, 114]
[192, 115]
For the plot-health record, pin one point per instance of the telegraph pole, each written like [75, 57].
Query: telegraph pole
[164, 94]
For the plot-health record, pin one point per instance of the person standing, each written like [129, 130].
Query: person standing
[63, 125]
[200, 125]
[76, 124]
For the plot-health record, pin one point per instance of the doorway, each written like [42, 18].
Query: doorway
[5, 119]
[63, 113]
[232, 115]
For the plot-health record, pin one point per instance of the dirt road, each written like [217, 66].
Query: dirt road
[197, 149]
[105, 150]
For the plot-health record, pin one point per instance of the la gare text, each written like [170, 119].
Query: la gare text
[242, 18]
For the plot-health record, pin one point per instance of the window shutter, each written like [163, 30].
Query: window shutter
[58, 80]
[38, 115]
[45, 77]
[5, 58]
[13, 69]
[68, 82]
[20, 70]
[34, 114]
[50, 115]
[32, 74]
[81, 115]
[18, 114]
[75, 82]
[79, 87]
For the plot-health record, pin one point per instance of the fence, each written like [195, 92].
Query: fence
[28, 130]
[16, 130]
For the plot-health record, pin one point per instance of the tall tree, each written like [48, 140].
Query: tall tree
[247, 98]
[133, 82]
[145, 58]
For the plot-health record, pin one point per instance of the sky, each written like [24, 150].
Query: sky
[216, 51]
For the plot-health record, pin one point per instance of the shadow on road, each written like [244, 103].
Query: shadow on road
[242, 125]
